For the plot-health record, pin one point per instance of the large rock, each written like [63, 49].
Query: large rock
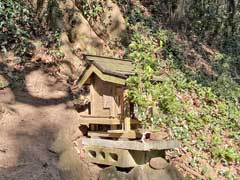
[71, 65]
[147, 173]
[158, 163]
[111, 25]
[144, 172]
[76, 33]
[80, 35]
[72, 167]
[83, 37]
[111, 173]
[66, 137]
[71, 164]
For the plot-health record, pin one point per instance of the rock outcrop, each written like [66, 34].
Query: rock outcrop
[81, 34]
[144, 172]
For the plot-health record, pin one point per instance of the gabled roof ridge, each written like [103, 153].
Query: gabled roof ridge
[103, 76]
[106, 57]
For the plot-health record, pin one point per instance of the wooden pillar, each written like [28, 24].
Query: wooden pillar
[127, 124]
[126, 111]
[92, 96]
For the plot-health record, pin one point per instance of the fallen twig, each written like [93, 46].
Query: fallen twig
[192, 171]
[52, 151]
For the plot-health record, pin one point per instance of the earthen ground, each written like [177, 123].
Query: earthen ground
[31, 118]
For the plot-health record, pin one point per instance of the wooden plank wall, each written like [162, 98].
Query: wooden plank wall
[104, 100]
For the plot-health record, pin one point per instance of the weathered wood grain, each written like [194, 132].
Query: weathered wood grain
[132, 145]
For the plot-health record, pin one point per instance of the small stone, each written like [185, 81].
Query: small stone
[4, 150]
[158, 163]
[155, 136]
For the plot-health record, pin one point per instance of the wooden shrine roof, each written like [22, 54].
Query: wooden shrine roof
[112, 66]
[108, 69]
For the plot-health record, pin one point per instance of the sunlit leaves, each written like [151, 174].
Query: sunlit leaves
[16, 23]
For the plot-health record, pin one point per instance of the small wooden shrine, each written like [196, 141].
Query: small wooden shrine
[114, 136]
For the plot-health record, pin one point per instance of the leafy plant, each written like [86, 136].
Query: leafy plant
[17, 25]
[226, 154]
[153, 97]
[91, 9]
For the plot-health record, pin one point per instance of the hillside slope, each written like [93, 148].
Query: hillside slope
[198, 62]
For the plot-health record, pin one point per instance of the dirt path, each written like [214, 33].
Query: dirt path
[30, 119]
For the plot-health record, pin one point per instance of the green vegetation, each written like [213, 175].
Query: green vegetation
[17, 26]
[201, 110]
[91, 9]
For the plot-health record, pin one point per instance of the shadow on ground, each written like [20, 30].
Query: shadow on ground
[35, 111]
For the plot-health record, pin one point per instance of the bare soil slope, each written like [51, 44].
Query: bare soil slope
[30, 119]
